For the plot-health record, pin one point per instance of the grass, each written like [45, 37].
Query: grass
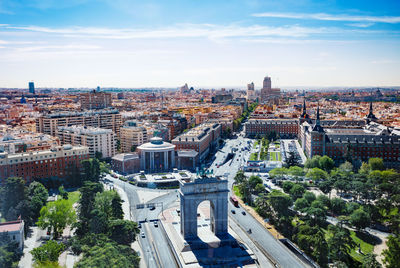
[236, 191]
[253, 157]
[275, 156]
[73, 197]
[365, 246]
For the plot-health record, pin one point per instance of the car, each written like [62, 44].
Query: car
[244, 213]
[142, 235]
[155, 224]
[152, 208]
[140, 225]
[233, 211]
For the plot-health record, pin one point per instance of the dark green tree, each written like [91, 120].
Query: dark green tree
[12, 192]
[48, 252]
[392, 253]
[123, 231]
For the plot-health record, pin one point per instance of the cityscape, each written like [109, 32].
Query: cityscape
[208, 134]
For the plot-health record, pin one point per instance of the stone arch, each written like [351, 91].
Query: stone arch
[192, 194]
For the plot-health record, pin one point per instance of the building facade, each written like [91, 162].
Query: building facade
[15, 231]
[42, 164]
[157, 156]
[267, 92]
[284, 128]
[132, 137]
[107, 118]
[95, 100]
[96, 139]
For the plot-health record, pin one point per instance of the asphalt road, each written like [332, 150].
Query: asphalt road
[275, 248]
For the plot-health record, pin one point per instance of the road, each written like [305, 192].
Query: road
[262, 236]
[154, 244]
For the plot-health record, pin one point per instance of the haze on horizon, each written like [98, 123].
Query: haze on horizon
[85, 43]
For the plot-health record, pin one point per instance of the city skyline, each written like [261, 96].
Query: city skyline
[209, 44]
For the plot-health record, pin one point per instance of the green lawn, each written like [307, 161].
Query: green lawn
[73, 197]
[365, 247]
[253, 157]
[275, 156]
[236, 191]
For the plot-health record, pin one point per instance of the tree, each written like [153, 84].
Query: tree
[287, 186]
[313, 162]
[365, 169]
[296, 171]
[317, 174]
[254, 180]
[326, 186]
[262, 206]
[346, 168]
[48, 252]
[9, 251]
[280, 202]
[392, 253]
[326, 163]
[376, 163]
[260, 188]
[338, 206]
[62, 192]
[109, 255]
[56, 216]
[86, 202]
[239, 177]
[301, 204]
[98, 155]
[297, 191]
[312, 241]
[37, 196]
[291, 160]
[369, 261]
[340, 243]
[360, 219]
[118, 144]
[123, 231]
[309, 196]
[12, 192]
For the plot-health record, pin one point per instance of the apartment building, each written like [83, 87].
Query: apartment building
[95, 100]
[132, 136]
[202, 139]
[42, 164]
[107, 118]
[96, 139]
[284, 128]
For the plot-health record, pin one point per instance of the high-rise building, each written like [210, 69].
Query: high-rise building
[96, 139]
[31, 87]
[267, 92]
[250, 91]
[107, 118]
[184, 89]
[95, 100]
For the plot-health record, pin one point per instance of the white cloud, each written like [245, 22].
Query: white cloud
[63, 47]
[361, 24]
[329, 17]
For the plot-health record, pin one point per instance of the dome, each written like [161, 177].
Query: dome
[156, 144]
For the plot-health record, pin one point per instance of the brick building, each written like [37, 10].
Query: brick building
[42, 164]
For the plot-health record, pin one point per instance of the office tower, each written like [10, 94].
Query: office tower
[267, 92]
[31, 88]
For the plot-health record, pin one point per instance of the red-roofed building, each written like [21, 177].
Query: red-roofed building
[15, 230]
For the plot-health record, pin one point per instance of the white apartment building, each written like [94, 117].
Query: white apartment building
[96, 139]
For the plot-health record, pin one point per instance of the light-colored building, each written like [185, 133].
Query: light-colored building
[157, 155]
[96, 139]
[251, 95]
[202, 139]
[55, 162]
[132, 136]
[107, 118]
[95, 100]
[15, 231]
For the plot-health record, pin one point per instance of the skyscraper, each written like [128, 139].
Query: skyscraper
[31, 88]
[267, 92]
[250, 91]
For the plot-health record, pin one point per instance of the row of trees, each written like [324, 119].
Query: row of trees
[245, 114]
[377, 188]
[102, 235]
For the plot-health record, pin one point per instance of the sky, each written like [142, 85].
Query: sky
[205, 43]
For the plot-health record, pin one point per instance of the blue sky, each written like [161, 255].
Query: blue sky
[121, 43]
